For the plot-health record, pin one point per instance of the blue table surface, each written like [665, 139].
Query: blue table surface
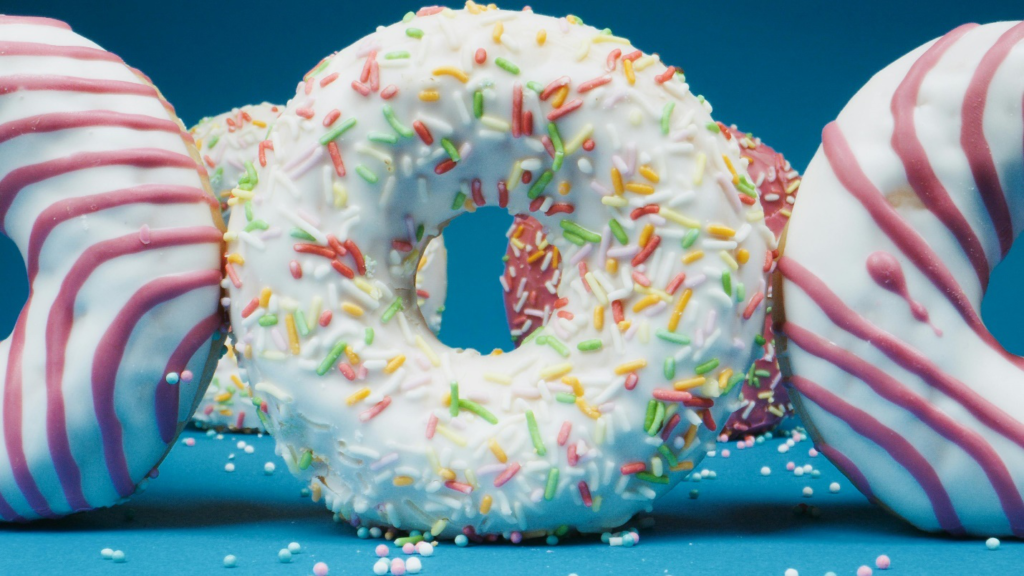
[741, 522]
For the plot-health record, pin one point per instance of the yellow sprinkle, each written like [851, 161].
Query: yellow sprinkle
[611, 265]
[365, 287]
[556, 371]
[644, 62]
[315, 492]
[394, 364]
[453, 72]
[451, 435]
[497, 352]
[469, 205]
[776, 410]
[237, 381]
[677, 311]
[235, 258]
[598, 318]
[793, 186]
[615, 201]
[720, 231]
[485, 502]
[645, 235]
[259, 123]
[645, 302]
[542, 36]
[742, 255]
[728, 164]
[446, 473]
[688, 438]
[497, 378]
[340, 195]
[265, 297]
[638, 188]
[518, 243]
[352, 356]
[766, 394]
[438, 526]
[402, 480]
[573, 145]
[473, 7]
[226, 412]
[689, 383]
[698, 169]
[596, 506]
[564, 187]
[560, 95]
[647, 172]
[693, 256]
[230, 236]
[352, 309]
[601, 38]
[537, 255]
[617, 181]
[497, 450]
[499, 28]
[597, 289]
[429, 95]
[729, 260]
[427, 351]
[357, 396]
[514, 176]
[684, 466]
[785, 212]
[587, 409]
[723, 378]
[573, 381]
[422, 263]
[223, 397]
[293, 334]
[519, 231]
[673, 216]
[632, 366]
[243, 194]
[627, 68]
[624, 325]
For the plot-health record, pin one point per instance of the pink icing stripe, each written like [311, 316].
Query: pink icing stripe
[75, 52]
[846, 466]
[920, 174]
[167, 396]
[900, 353]
[71, 208]
[9, 84]
[892, 390]
[974, 143]
[94, 118]
[34, 21]
[19, 178]
[901, 450]
[110, 352]
[850, 174]
[59, 324]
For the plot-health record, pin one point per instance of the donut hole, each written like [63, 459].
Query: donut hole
[474, 311]
[13, 285]
[1000, 308]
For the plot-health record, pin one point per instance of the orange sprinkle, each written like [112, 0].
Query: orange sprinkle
[720, 231]
[611, 265]
[645, 235]
[560, 95]
[617, 181]
[688, 438]
[402, 480]
[645, 302]
[638, 188]
[452, 71]
[537, 255]
[742, 256]
[564, 187]
[680, 307]
[497, 450]
[627, 67]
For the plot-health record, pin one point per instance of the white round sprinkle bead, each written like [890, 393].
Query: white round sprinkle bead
[833, 487]
[992, 543]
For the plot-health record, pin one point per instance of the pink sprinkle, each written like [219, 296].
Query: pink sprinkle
[883, 562]
[563, 433]
[190, 441]
[144, 235]
[250, 307]
[585, 493]
[591, 84]
[389, 91]
[331, 117]
[670, 426]
[240, 421]
[632, 468]
[507, 475]
[295, 269]
[481, 56]
[347, 371]
[572, 456]
[398, 567]
[516, 537]
[864, 571]
[812, 453]
[382, 550]
[571, 106]
[304, 112]
[726, 453]
[429, 10]
[431, 426]
[613, 59]
[235, 280]
[517, 110]
[186, 375]
[328, 79]
[320, 569]
[408, 548]
[372, 413]
[790, 466]
[583, 274]
[325, 318]
[554, 86]
[361, 88]
[672, 395]
[459, 487]
[640, 279]
[631, 380]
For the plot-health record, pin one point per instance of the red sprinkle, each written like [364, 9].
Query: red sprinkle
[306, 113]
[747, 200]
[325, 318]
[669, 395]
[752, 305]
[571, 106]
[588, 144]
[571, 455]
[594, 83]
[669, 426]
[560, 208]
[640, 279]
[526, 177]
[335, 245]
[583, 275]
[250, 307]
[423, 132]
[331, 116]
[613, 60]
[632, 468]
[506, 475]
[374, 76]
[357, 255]
[478, 194]
[527, 122]
[675, 283]
[502, 194]
[696, 402]
[361, 88]
[481, 56]
[422, 293]
[264, 146]
[585, 493]
[536, 203]
[561, 302]
[444, 166]
[709, 420]
[459, 487]
[517, 110]
[347, 371]
[377, 409]
[563, 432]
[644, 254]
[364, 74]
[666, 75]
[343, 270]
[768, 260]
[316, 249]
[295, 269]
[565, 314]
[335, 154]
[632, 56]
[553, 87]
[328, 79]
[401, 245]
[644, 210]
[617, 314]
[235, 280]
[389, 91]
[631, 380]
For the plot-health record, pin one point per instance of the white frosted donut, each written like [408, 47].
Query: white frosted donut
[590, 420]
[101, 190]
[914, 196]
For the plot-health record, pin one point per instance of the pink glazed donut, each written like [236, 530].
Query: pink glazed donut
[102, 192]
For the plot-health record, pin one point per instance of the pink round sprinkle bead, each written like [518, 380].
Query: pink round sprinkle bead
[408, 548]
[883, 562]
[382, 550]
[791, 466]
[864, 571]
[398, 567]
[186, 376]
[320, 569]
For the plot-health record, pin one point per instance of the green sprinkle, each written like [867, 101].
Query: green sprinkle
[213, 141]
[453, 405]
[733, 381]
[300, 323]
[589, 236]
[397, 55]
[217, 177]
[549, 488]
[618, 232]
[727, 282]
[306, 459]
[590, 345]
[250, 173]
[741, 292]
[659, 419]
[478, 103]
[366, 173]
[561, 530]
[477, 409]
[268, 320]
[409, 17]
[368, 336]
[506, 65]
[320, 67]
[538, 444]
[566, 398]
[759, 340]
[382, 138]
[535, 86]
[331, 358]
[713, 127]
[538, 187]
[652, 407]
[762, 373]
[460, 198]
[559, 159]
[248, 210]
[403, 130]
[408, 540]
[667, 453]
[556, 137]
[690, 237]
[419, 232]
[648, 477]
[574, 238]
[557, 346]
[301, 234]
[414, 32]
[256, 225]
[706, 367]
[670, 368]
[672, 337]
[453, 152]
[666, 115]
[337, 131]
[392, 310]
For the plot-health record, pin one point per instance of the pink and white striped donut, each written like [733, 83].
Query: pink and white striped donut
[102, 192]
[914, 196]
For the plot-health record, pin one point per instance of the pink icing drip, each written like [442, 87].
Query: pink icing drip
[920, 174]
[887, 272]
[974, 143]
[971, 442]
[898, 447]
[66, 120]
[107, 361]
[167, 396]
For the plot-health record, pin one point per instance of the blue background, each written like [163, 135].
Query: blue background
[779, 69]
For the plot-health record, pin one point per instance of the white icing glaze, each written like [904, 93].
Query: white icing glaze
[101, 190]
[909, 394]
[385, 449]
